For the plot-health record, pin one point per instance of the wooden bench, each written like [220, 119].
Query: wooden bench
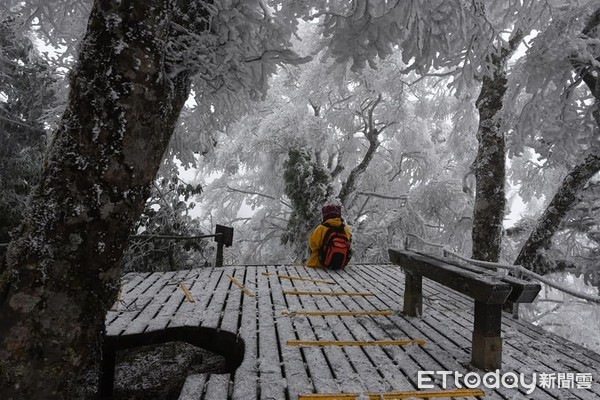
[488, 289]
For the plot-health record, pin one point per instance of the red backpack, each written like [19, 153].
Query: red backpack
[335, 251]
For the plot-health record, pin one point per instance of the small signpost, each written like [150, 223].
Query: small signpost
[223, 237]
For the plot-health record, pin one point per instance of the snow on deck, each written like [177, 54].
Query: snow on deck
[266, 318]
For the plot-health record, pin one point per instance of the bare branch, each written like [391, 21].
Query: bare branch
[253, 193]
[384, 196]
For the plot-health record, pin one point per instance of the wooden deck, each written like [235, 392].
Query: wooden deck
[268, 314]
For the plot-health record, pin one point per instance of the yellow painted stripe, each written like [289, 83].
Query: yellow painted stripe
[300, 293]
[238, 284]
[306, 343]
[336, 313]
[417, 394]
[298, 278]
[187, 293]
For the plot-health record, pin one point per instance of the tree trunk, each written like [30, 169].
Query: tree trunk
[64, 266]
[489, 165]
[565, 197]
[349, 186]
[489, 170]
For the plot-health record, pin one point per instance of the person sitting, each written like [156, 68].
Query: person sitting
[329, 242]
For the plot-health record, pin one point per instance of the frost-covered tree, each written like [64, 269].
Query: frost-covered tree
[133, 74]
[563, 97]
[308, 187]
[468, 41]
[168, 213]
[25, 92]
[380, 153]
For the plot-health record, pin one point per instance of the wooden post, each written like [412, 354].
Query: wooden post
[107, 372]
[486, 352]
[413, 294]
[219, 261]
[223, 237]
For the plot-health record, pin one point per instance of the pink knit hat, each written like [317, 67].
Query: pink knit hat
[331, 211]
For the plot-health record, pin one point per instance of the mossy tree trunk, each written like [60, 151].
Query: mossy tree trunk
[489, 165]
[63, 268]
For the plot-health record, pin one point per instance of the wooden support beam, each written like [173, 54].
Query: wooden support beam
[486, 351]
[319, 343]
[304, 293]
[187, 293]
[413, 294]
[335, 313]
[415, 394]
[297, 278]
[242, 287]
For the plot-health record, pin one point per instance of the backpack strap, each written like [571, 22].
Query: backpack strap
[335, 228]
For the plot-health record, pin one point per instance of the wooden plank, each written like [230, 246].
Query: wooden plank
[321, 375]
[296, 373]
[343, 372]
[215, 307]
[335, 313]
[300, 278]
[135, 283]
[318, 293]
[128, 292]
[168, 309]
[142, 301]
[367, 368]
[231, 316]
[160, 294]
[413, 358]
[217, 387]
[414, 394]
[245, 378]
[307, 343]
[129, 282]
[482, 288]
[270, 359]
[232, 309]
[239, 285]
[380, 360]
[186, 292]
[193, 387]
[202, 285]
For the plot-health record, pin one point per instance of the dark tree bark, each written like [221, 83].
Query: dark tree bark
[550, 221]
[63, 268]
[489, 170]
[489, 165]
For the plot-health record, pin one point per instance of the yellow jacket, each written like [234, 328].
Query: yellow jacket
[315, 240]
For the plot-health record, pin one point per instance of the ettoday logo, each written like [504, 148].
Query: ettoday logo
[508, 380]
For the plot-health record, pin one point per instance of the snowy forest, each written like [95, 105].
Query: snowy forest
[474, 124]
